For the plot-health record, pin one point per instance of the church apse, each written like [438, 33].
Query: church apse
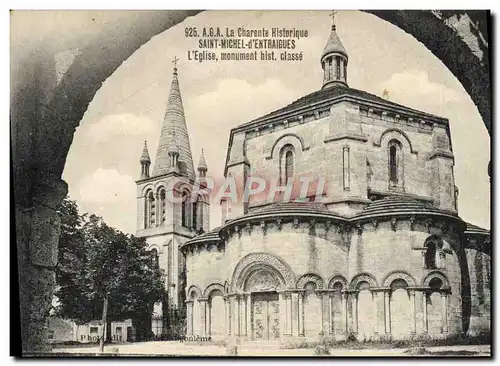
[386, 226]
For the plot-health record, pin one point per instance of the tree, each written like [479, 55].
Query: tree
[100, 265]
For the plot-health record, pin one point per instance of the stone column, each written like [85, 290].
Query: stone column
[209, 318]
[413, 314]
[243, 314]
[189, 316]
[237, 315]
[233, 316]
[424, 310]
[203, 316]
[375, 307]
[37, 236]
[322, 299]
[444, 304]
[157, 209]
[289, 314]
[355, 312]
[227, 316]
[387, 312]
[301, 315]
[295, 314]
[326, 70]
[330, 316]
[345, 310]
[248, 305]
[282, 303]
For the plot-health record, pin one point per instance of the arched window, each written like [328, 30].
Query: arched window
[185, 209]
[312, 307]
[287, 162]
[216, 313]
[430, 256]
[366, 316]
[395, 164]
[198, 213]
[154, 255]
[433, 246]
[337, 67]
[195, 214]
[150, 210]
[435, 302]
[337, 310]
[163, 213]
[288, 165]
[399, 305]
[327, 64]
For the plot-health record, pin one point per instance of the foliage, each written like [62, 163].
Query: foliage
[96, 260]
[321, 350]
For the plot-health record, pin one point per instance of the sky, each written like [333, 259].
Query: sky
[103, 161]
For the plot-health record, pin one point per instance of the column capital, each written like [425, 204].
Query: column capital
[325, 290]
[350, 292]
[285, 294]
[380, 289]
[418, 288]
[203, 299]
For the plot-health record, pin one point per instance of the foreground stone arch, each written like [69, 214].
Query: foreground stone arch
[46, 108]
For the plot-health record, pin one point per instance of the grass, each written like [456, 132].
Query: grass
[418, 351]
[419, 341]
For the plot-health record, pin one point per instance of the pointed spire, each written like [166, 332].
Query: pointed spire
[174, 134]
[334, 59]
[334, 45]
[145, 161]
[202, 164]
[145, 154]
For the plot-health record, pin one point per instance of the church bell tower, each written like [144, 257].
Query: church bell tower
[169, 212]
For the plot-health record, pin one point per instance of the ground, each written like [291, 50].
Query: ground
[176, 348]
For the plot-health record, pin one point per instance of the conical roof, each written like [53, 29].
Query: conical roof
[145, 154]
[202, 164]
[334, 44]
[174, 131]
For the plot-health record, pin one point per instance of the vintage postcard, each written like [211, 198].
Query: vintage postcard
[251, 183]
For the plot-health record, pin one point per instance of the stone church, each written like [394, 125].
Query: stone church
[383, 254]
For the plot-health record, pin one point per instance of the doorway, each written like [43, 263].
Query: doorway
[265, 316]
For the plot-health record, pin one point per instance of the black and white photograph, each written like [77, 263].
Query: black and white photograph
[251, 183]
